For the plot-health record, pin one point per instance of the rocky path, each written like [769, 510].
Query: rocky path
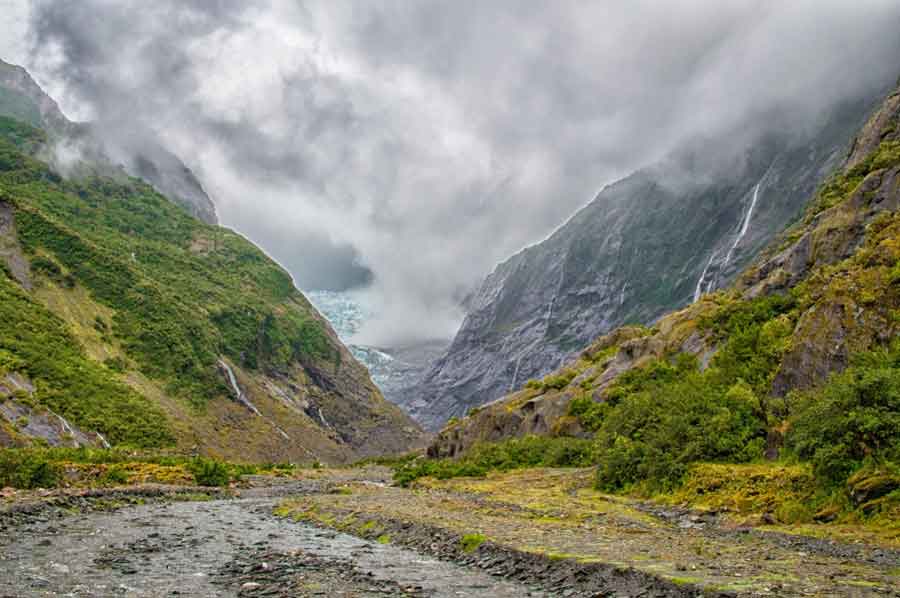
[233, 547]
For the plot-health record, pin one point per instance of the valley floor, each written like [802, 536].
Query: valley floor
[348, 532]
[551, 527]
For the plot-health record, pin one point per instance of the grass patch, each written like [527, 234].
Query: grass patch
[471, 542]
[517, 453]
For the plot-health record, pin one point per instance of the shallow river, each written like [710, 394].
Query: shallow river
[184, 549]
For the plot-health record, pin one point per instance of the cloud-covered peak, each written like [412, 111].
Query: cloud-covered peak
[410, 146]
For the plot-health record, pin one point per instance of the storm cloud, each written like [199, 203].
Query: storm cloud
[407, 147]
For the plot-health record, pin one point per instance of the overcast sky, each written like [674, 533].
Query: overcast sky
[411, 145]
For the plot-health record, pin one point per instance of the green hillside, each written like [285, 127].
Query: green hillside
[179, 296]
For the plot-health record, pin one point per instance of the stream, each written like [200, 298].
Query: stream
[212, 548]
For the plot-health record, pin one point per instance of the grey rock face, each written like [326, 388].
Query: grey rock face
[10, 252]
[644, 246]
[140, 155]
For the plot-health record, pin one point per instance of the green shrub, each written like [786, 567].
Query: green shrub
[26, 470]
[114, 476]
[590, 413]
[854, 418]
[68, 381]
[679, 416]
[116, 364]
[209, 472]
[176, 310]
[558, 381]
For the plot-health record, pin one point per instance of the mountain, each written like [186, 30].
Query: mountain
[23, 99]
[729, 376]
[645, 245]
[126, 321]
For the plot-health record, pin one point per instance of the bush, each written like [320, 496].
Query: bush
[590, 413]
[209, 472]
[114, 476]
[26, 470]
[855, 418]
[678, 416]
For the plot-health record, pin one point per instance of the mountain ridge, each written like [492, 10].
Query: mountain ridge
[129, 322]
[22, 98]
[821, 294]
[643, 246]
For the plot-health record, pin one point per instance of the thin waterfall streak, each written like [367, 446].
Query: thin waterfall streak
[745, 226]
[699, 290]
[237, 389]
[512, 385]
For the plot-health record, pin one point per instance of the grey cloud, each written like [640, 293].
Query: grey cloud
[410, 146]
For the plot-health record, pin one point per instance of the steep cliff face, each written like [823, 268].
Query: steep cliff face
[826, 289]
[645, 245]
[22, 98]
[124, 320]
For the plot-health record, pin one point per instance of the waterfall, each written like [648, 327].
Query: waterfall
[67, 428]
[515, 377]
[103, 440]
[742, 232]
[745, 225]
[239, 394]
[699, 290]
[322, 417]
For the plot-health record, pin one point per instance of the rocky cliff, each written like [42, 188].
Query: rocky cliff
[125, 321]
[22, 98]
[652, 242]
[825, 290]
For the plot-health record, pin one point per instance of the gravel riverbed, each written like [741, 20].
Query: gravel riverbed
[220, 547]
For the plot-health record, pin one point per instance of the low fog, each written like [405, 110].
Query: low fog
[404, 148]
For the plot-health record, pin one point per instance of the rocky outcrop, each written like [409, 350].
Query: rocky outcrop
[10, 251]
[141, 155]
[25, 423]
[645, 245]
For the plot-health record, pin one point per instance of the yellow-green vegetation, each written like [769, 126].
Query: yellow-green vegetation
[50, 468]
[745, 489]
[843, 184]
[471, 542]
[787, 498]
[516, 453]
[37, 343]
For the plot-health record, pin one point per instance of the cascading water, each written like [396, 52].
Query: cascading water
[103, 440]
[66, 426]
[745, 226]
[742, 232]
[699, 290]
[238, 393]
[512, 385]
